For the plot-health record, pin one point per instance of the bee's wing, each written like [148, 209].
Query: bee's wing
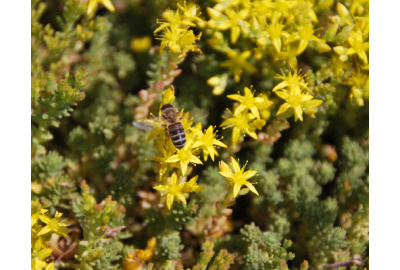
[144, 124]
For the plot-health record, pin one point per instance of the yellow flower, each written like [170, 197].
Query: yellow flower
[173, 190]
[297, 101]
[358, 46]
[207, 142]
[243, 123]
[173, 20]
[192, 186]
[176, 34]
[187, 43]
[92, 6]
[304, 34]
[248, 101]
[296, 97]
[179, 41]
[167, 149]
[53, 225]
[289, 55]
[291, 80]
[276, 33]
[39, 246]
[238, 178]
[36, 212]
[359, 83]
[339, 67]
[39, 262]
[233, 22]
[237, 63]
[184, 156]
[190, 11]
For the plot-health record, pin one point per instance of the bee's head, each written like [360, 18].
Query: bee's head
[166, 106]
[169, 112]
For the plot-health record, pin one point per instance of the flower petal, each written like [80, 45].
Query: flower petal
[235, 135]
[249, 174]
[236, 189]
[283, 108]
[282, 94]
[298, 113]
[196, 160]
[223, 166]
[280, 86]
[181, 198]
[235, 165]
[172, 159]
[227, 175]
[252, 188]
[170, 200]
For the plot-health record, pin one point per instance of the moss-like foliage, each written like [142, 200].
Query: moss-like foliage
[273, 97]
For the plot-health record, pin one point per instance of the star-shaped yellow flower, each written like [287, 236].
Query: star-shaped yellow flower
[207, 142]
[167, 149]
[291, 80]
[92, 6]
[173, 190]
[358, 46]
[173, 20]
[276, 33]
[243, 123]
[184, 156]
[248, 101]
[299, 102]
[304, 34]
[190, 12]
[179, 40]
[53, 225]
[239, 177]
[237, 63]
[234, 19]
[192, 186]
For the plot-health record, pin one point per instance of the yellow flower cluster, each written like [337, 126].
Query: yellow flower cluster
[350, 29]
[175, 185]
[280, 31]
[357, 40]
[40, 235]
[293, 89]
[246, 118]
[175, 29]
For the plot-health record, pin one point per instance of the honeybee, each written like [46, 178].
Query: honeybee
[171, 117]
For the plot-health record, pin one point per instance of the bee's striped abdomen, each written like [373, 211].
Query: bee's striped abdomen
[177, 134]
